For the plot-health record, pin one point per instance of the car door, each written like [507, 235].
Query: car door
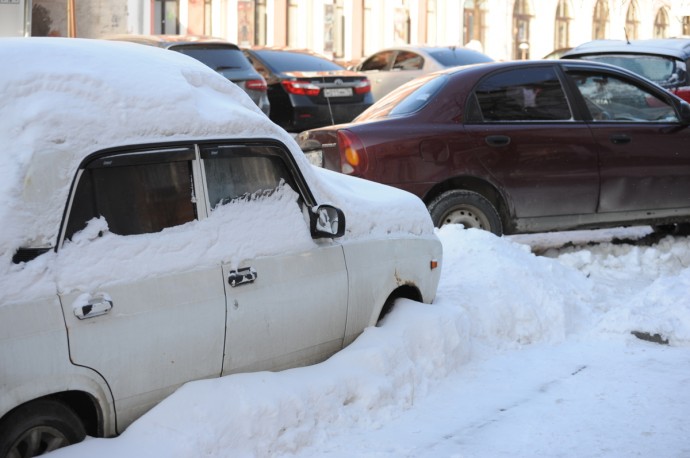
[532, 147]
[139, 307]
[644, 157]
[287, 301]
[378, 70]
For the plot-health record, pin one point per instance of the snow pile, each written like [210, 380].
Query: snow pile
[518, 356]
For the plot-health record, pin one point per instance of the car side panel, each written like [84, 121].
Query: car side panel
[27, 330]
[378, 267]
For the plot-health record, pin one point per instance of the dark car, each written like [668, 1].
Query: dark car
[664, 61]
[307, 90]
[392, 67]
[525, 146]
[223, 57]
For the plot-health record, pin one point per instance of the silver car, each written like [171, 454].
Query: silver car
[392, 67]
[152, 236]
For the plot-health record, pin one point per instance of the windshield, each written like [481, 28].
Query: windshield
[451, 57]
[665, 71]
[407, 99]
[286, 61]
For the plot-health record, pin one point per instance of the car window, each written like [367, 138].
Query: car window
[234, 172]
[136, 194]
[286, 61]
[379, 61]
[408, 60]
[453, 56]
[612, 99]
[217, 57]
[528, 94]
[662, 70]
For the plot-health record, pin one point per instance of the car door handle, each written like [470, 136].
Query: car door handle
[620, 139]
[241, 276]
[96, 306]
[497, 140]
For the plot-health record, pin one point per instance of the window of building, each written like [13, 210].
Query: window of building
[661, 24]
[166, 17]
[208, 17]
[431, 29]
[260, 22]
[686, 25]
[562, 29]
[339, 23]
[632, 22]
[521, 23]
[293, 31]
[473, 24]
[600, 20]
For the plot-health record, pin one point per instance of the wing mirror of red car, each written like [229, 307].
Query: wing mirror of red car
[327, 221]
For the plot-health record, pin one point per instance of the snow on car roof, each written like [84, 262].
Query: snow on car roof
[64, 99]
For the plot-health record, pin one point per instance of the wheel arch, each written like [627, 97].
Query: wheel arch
[408, 291]
[480, 186]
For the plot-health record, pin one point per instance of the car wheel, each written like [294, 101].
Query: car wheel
[39, 427]
[468, 208]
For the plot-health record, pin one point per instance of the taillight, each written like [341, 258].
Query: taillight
[301, 87]
[256, 85]
[362, 86]
[683, 93]
[353, 156]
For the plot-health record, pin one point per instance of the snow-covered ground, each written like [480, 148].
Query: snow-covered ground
[526, 352]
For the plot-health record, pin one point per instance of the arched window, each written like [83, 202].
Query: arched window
[632, 22]
[661, 23]
[474, 19]
[562, 29]
[521, 21]
[600, 20]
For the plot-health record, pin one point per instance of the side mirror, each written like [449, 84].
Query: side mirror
[327, 221]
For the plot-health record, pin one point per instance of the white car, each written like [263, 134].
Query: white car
[390, 68]
[158, 228]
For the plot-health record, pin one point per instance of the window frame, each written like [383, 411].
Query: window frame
[156, 153]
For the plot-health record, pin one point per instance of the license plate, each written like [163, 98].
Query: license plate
[338, 92]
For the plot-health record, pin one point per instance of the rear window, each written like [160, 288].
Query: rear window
[408, 99]
[451, 57]
[217, 57]
[665, 71]
[285, 61]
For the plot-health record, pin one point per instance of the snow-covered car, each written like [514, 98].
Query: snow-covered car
[151, 236]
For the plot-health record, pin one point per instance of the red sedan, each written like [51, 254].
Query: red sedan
[520, 147]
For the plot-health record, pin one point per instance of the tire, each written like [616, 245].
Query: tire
[39, 427]
[468, 208]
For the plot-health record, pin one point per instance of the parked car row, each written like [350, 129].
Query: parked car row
[158, 228]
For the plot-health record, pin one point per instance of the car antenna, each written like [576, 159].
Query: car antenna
[328, 100]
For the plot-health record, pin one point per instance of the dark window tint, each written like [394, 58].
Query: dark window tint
[527, 94]
[451, 57]
[237, 172]
[217, 57]
[285, 61]
[134, 199]
[379, 61]
[612, 99]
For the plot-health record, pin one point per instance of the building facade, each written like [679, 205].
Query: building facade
[348, 30]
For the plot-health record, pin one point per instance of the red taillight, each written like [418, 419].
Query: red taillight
[353, 156]
[301, 87]
[256, 85]
[362, 86]
[683, 93]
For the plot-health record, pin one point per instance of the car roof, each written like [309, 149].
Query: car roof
[67, 98]
[167, 41]
[672, 47]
